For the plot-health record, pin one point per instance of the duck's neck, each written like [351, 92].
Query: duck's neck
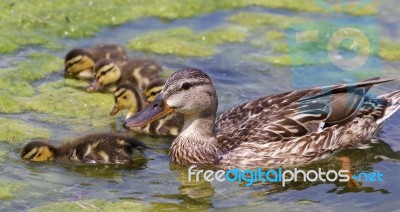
[196, 143]
[201, 127]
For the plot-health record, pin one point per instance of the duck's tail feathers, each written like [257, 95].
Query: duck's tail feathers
[393, 100]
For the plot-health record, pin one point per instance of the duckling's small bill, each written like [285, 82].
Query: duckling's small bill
[94, 86]
[155, 110]
[114, 111]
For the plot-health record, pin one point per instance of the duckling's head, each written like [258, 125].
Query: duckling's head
[77, 61]
[38, 151]
[127, 97]
[105, 72]
[154, 88]
[189, 91]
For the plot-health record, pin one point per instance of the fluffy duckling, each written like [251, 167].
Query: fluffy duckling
[154, 88]
[79, 62]
[109, 74]
[102, 148]
[127, 97]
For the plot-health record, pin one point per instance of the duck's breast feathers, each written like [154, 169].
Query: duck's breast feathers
[292, 114]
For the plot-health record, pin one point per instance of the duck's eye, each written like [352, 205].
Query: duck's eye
[125, 97]
[186, 86]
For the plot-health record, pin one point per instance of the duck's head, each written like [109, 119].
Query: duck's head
[38, 151]
[188, 91]
[127, 97]
[105, 72]
[154, 88]
[79, 62]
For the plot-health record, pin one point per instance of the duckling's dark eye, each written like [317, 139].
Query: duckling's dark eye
[125, 97]
[186, 86]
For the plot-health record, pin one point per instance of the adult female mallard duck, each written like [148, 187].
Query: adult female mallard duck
[79, 62]
[288, 129]
[109, 74]
[128, 97]
[101, 148]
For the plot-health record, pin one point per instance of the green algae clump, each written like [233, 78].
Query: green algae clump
[274, 35]
[92, 205]
[15, 81]
[357, 8]
[351, 8]
[183, 41]
[258, 19]
[15, 87]
[179, 41]
[280, 47]
[12, 130]
[63, 101]
[42, 23]
[290, 60]
[66, 102]
[389, 50]
[9, 188]
[9, 104]
[37, 66]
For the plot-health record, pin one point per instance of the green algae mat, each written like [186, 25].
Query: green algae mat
[247, 40]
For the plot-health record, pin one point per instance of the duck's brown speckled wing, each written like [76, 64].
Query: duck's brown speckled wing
[292, 115]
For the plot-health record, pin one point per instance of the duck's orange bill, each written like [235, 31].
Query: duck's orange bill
[153, 111]
[114, 111]
[94, 86]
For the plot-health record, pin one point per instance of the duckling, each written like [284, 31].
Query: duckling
[101, 148]
[79, 62]
[289, 129]
[127, 97]
[109, 74]
[154, 88]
